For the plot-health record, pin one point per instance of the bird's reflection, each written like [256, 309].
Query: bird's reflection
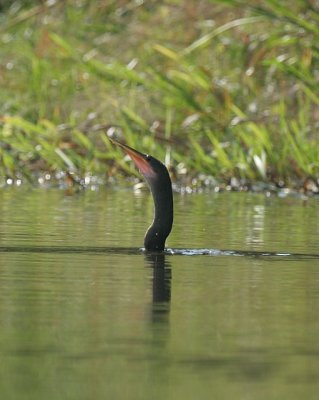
[161, 285]
[159, 319]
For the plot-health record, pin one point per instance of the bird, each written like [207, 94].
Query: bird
[157, 177]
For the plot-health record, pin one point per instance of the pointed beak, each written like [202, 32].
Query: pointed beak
[140, 159]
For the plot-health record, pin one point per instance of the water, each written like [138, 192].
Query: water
[85, 314]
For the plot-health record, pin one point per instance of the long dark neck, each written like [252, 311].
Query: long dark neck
[163, 218]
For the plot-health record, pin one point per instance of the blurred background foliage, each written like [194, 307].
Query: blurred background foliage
[224, 92]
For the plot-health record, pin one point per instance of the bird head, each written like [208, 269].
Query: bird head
[151, 168]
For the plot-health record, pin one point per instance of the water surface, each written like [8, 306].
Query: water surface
[86, 315]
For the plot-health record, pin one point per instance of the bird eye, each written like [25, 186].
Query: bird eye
[148, 157]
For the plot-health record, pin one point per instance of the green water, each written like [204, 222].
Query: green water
[91, 317]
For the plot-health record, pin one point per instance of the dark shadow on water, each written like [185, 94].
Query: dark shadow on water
[70, 250]
[240, 368]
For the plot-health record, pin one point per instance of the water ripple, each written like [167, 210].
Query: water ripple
[137, 251]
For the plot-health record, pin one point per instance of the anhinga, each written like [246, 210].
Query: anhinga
[159, 181]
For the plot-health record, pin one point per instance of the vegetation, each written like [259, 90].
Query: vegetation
[226, 93]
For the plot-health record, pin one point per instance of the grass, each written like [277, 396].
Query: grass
[223, 91]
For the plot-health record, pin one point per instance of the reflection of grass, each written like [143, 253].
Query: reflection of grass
[226, 90]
